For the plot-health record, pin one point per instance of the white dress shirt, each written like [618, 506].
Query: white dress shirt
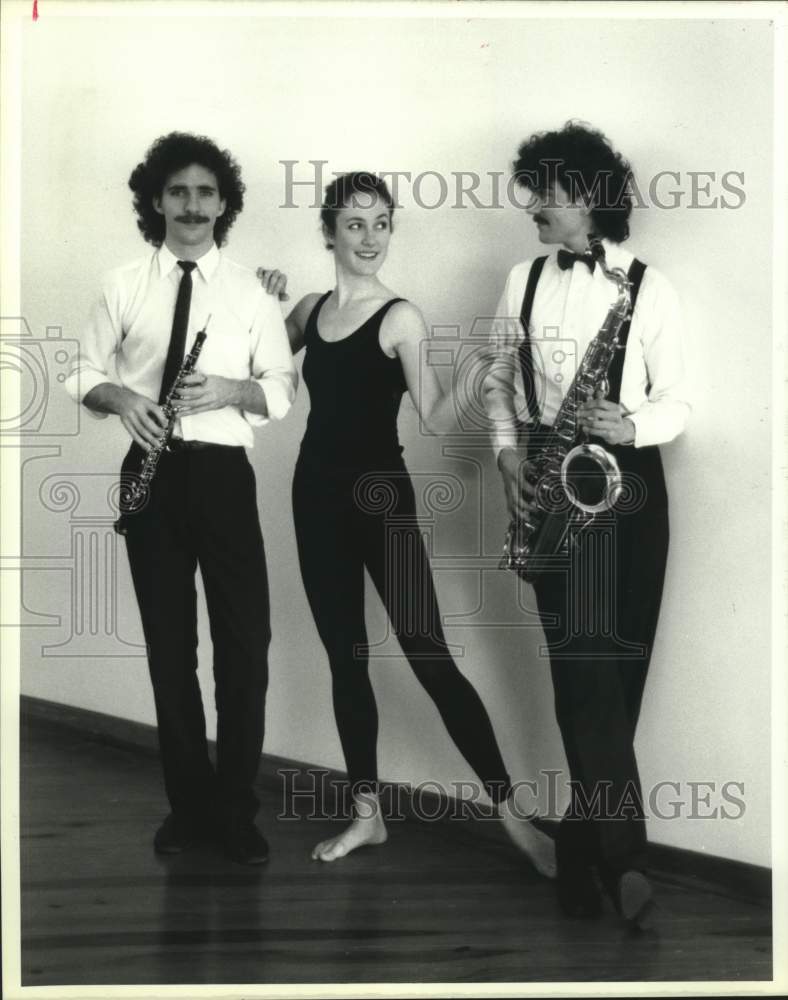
[129, 329]
[568, 310]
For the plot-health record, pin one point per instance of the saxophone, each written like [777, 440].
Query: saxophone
[133, 497]
[573, 480]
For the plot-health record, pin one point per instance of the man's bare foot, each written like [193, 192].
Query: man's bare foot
[367, 829]
[537, 846]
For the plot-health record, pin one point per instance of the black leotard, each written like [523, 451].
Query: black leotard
[355, 392]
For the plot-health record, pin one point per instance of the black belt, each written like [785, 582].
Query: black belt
[178, 444]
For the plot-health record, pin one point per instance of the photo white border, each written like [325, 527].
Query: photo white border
[13, 13]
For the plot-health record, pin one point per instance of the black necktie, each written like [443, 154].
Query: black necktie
[180, 324]
[566, 259]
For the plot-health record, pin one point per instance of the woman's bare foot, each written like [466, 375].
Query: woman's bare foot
[537, 846]
[367, 829]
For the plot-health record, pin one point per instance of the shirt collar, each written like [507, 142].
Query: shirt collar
[206, 264]
[615, 255]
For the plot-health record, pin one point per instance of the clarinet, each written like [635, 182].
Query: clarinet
[135, 496]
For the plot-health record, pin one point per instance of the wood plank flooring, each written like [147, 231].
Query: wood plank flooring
[436, 904]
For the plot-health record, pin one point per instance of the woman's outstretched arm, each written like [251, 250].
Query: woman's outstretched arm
[405, 332]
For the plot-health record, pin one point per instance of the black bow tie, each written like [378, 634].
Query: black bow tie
[566, 259]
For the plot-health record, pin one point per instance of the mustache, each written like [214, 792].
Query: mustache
[191, 218]
[539, 218]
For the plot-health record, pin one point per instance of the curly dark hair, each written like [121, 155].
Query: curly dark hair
[174, 152]
[584, 162]
[339, 192]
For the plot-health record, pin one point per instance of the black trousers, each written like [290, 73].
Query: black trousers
[346, 522]
[202, 511]
[599, 608]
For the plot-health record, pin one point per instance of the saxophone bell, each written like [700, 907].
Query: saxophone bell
[591, 478]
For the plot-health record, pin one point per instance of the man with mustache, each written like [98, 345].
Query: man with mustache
[201, 508]
[600, 595]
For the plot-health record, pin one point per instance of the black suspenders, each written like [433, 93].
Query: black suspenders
[526, 355]
[635, 275]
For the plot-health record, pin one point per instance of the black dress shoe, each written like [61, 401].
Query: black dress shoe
[174, 836]
[244, 843]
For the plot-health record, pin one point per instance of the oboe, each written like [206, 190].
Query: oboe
[134, 496]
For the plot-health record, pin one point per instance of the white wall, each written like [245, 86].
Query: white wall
[445, 95]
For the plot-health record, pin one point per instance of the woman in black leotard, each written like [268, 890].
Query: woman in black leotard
[354, 508]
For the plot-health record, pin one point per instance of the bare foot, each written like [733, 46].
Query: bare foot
[537, 846]
[367, 829]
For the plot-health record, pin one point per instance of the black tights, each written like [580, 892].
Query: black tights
[344, 523]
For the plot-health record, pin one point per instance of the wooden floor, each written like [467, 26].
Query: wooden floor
[435, 904]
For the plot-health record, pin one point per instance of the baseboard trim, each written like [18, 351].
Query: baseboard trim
[748, 882]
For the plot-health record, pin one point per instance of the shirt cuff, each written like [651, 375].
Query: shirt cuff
[654, 426]
[279, 393]
[79, 384]
[640, 430]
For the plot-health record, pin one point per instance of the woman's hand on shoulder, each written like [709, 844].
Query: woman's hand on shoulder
[274, 282]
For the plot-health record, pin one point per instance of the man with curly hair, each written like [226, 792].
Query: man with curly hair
[600, 595]
[201, 509]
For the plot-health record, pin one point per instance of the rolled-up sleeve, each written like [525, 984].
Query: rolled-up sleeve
[668, 405]
[272, 364]
[98, 345]
[500, 390]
